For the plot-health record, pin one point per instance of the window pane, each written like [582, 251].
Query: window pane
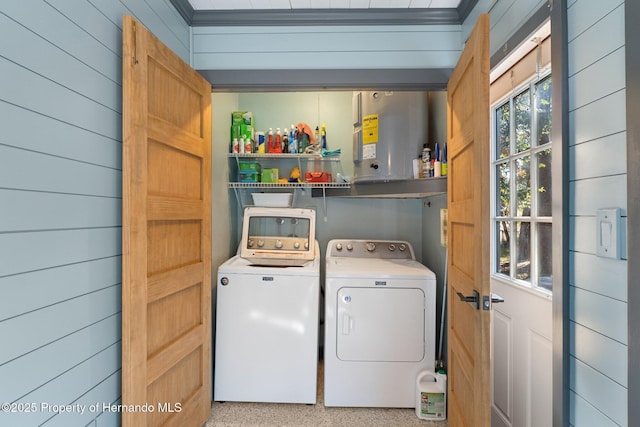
[545, 255]
[522, 107]
[503, 231]
[543, 161]
[523, 251]
[523, 186]
[502, 131]
[543, 111]
[504, 193]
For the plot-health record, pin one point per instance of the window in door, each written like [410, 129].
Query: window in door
[521, 169]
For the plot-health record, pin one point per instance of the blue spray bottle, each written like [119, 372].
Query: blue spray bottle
[293, 140]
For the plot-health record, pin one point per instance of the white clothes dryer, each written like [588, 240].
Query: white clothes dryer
[379, 323]
[267, 311]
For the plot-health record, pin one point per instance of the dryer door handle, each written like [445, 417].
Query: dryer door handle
[347, 324]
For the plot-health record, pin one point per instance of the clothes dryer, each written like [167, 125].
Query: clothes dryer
[379, 323]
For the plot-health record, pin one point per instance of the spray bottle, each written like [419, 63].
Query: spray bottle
[437, 164]
[323, 136]
[270, 141]
[285, 141]
[293, 140]
[278, 142]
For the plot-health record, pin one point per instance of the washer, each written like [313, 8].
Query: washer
[267, 311]
[379, 323]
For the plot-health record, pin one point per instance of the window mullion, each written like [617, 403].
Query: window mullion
[513, 262]
[533, 247]
[533, 183]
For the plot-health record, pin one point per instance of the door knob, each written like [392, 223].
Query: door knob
[495, 299]
[475, 299]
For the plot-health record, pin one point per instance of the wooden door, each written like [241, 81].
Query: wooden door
[469, 373]
[166, 292]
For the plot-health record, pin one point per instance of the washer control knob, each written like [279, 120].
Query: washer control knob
[349, 246]
[224, 281]
[278, 244]
[338, 246]
[402, 247]
[306, 245]
[296, 245]
[260, 243]
[392, 247]
[250, 243]
[371, 246]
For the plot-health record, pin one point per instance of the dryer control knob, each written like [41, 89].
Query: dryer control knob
[224, 281]
[250, 243]
[392, 247]
[371, 246]
[338, 246]
[306, 245]
[402, 247]
[296, 245]
[260, 243]
[349, 246]
[278, 244]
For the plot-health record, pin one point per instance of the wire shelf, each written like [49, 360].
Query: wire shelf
[290, 185]
[277, 156]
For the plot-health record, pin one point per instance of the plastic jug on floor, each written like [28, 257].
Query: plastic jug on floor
[431, 395]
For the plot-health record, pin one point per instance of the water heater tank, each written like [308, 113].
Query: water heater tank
[389, 129]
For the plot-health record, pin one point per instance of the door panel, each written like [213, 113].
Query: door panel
[468, 215]
[502, 368]
[522, 358]
[166, 293]
[372, 327]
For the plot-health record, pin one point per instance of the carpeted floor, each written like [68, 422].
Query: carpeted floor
[236, 414]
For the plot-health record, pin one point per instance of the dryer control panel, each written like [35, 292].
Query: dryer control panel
[380, 249]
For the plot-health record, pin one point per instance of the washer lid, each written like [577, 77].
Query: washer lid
[278, 236]
[239, 265]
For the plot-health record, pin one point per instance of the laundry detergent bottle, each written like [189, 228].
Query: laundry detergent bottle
[431, 395]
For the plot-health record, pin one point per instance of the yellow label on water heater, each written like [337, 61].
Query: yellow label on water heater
[370, 129]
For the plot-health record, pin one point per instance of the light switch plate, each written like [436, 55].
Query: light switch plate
[608, 233]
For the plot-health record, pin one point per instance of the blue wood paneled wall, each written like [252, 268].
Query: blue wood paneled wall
[326, 47]
[60, 202]
[597, 155]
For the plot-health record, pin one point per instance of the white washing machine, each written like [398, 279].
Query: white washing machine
[267, 311]
[379, 323]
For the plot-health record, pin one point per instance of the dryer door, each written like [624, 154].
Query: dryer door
[381, 324]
